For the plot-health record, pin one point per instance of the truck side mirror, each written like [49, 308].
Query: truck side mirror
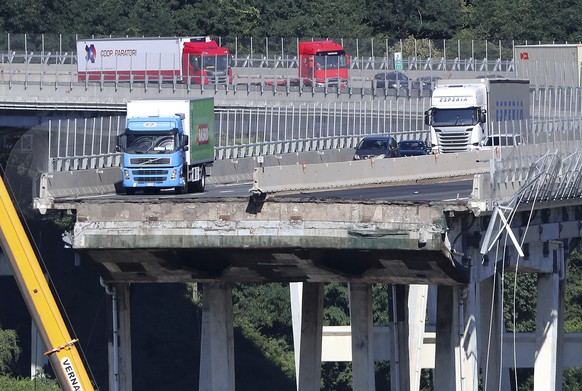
[427, 115]
[482, 117]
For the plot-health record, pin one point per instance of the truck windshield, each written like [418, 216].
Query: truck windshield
[333, 60]
[216, 62]
[455, 117]
[151, 143]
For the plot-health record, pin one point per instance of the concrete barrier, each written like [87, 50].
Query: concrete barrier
[306, 176]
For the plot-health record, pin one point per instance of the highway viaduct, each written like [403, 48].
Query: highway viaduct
[413, 245]
[458, 247]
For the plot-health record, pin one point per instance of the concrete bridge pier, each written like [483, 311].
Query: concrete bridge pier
[307, 316]
[400, 362]
[551, 288]
[119, 341]
[217, 340]
[417, 315]
[362, 323]
[490, 321]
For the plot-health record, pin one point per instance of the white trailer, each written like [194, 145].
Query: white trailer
[464, 112]
[549, 65]
[135, 59]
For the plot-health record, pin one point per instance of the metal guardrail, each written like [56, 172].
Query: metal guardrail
[269, 52]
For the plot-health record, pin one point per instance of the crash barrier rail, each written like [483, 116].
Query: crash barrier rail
[61, 77]
[367, 172]
[549, 172]
[268, 52]
[293, 127]
[81, 143]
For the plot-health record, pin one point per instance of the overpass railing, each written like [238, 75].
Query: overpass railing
[269, 52]
[292, 127]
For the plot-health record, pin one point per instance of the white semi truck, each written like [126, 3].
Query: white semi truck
[464, 112]
[191, 60]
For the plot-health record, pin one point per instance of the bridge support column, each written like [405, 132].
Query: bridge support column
[399, 364]
[125, 366]
[362, 337]
[446, 372]
[119, 340]
[217, 346]
[469, 347]
[495, 377]
[311, 337]
[417, 312]
[549, 321]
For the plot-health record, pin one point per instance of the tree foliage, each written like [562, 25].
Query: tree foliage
[399, 19]
[37, 384]
[9, 351]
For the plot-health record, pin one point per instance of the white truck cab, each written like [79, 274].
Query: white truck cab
[464, 112]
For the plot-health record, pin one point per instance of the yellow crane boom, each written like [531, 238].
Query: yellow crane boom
[63, 354]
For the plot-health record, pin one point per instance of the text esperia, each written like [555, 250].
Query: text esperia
[446, 99]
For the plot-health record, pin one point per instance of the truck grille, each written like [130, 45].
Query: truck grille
[147, 161]
[150, 176]
[454, 141]
[217, 78]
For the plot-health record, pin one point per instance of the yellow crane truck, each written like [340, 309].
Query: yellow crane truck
[63, 354]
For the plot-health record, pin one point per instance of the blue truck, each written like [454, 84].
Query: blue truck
[167, 144]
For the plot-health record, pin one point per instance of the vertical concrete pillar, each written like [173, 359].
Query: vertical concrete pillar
[491, 326]
[362, 337]
[124, 326]
[470, 338]
[311, 337]
[417, 302]
[217, 347]
[119, 336]
[296, 294]
[446, 374]
[37, 349]
[400, 362]
[546, 333]
[548, 364]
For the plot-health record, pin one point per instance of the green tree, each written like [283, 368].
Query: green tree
[9, 351]
[37, 384]
[435, 19]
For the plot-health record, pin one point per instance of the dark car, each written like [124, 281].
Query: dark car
[378, 147]
[413, 148]
[393, 79]
[427, 82]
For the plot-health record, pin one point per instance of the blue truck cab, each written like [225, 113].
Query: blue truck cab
[154, 153]
[167, 145]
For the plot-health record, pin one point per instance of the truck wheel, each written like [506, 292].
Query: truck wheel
[184, 188]
[199, 185]
[129, 190]
[181, 189]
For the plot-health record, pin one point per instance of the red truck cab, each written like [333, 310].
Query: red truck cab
[204, 62]
[324, 63]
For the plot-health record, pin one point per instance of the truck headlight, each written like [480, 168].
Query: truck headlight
[173, 174]
[126, 174]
